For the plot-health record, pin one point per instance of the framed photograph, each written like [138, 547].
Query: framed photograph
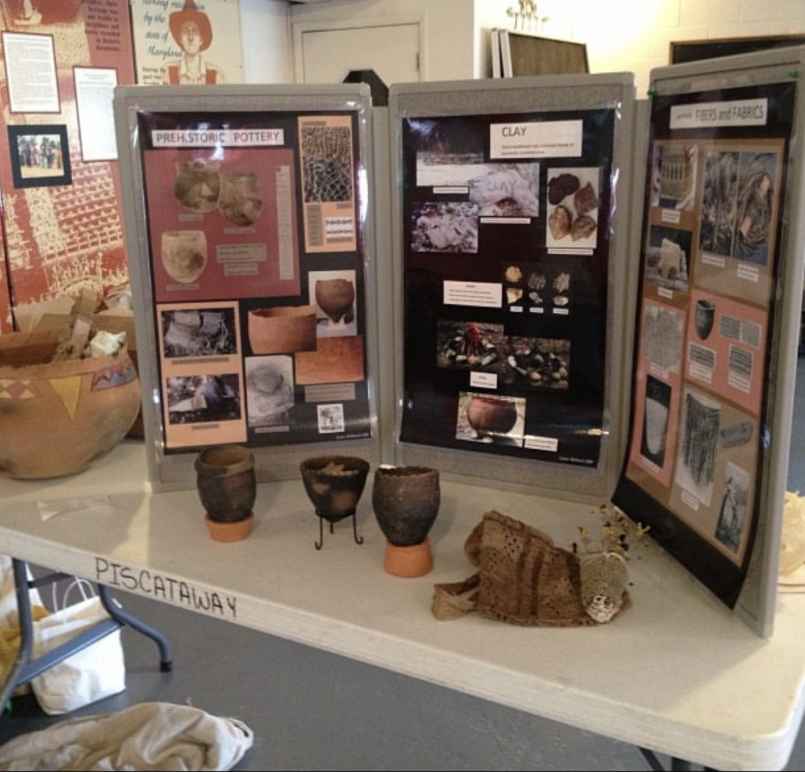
[40, 156]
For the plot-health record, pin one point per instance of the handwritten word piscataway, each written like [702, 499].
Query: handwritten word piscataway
[165, 588]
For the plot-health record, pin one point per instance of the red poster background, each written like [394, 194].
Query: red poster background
[61, 240]
[165, 214]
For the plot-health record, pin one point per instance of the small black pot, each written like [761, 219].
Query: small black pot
[705, 318]
[227, 484]
[406, 502]
[335, 485]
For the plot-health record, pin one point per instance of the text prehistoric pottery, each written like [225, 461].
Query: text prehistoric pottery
[335, 297]
[56, 417]
[283, 330]
[335, 485]
[488, 415]
[406, 502]
[227, 486]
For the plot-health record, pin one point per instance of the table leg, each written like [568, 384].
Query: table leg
[677, 765]
[20, 570]
[117, 612]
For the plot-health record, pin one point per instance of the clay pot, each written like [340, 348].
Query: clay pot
[406, 502]
[335, 485]
[184, 255]
[705, 318]
[55, 418]
[227, 487]
[282, 330]
[335, 297]
[488, 415]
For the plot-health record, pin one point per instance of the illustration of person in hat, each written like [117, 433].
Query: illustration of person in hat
[192, 31]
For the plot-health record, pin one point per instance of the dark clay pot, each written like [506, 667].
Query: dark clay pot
[406, 502]
[489, 415]
[227, 483]
[335, 297]
[705, 318]
[335, 485]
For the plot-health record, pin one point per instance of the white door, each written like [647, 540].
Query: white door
[329, 55]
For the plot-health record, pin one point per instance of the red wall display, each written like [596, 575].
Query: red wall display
[62, 238]
[5, 300]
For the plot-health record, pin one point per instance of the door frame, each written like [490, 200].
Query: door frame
[299, 28]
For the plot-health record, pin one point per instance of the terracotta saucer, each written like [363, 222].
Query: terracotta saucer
[228, 533]
[409, 562]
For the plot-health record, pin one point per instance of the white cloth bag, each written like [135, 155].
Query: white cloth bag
[94, 674]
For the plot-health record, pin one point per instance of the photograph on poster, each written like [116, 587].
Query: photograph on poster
[336, 360]
[655, 421]
[561, 289]
[445, 227]
[331, 419]
[269, 392]
[673, 176]
[507, 190]
[573, 199]
[668, 258]
[40, 156]
[698, 449]
[184, 255]
[733, 514]
[719, 202]
[197, 399]
[199, 333]
[446, 157]
[490, 420]
[757, 173]
[662, 337]
[469, 345]
[539, 363]
[198, 185]
[335, 297]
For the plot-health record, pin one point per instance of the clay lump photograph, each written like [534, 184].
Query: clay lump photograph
[470, 345]
[327, 164]
[198, 186]
[199, 333]
[719, 202]
[198, 399]
[507, 190]
[240, 201]
[734, 510]
[573, 202]
[491, 419]
[446, 156]
[445, 227]
[203, 187]
[668, 258]
[269, 392]
[673, 176]
[655, 421]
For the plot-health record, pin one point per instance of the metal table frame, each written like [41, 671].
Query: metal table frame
[27, 667]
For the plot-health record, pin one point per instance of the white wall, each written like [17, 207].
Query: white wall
[488, 16]
[449, 32]
[267, 42]
[635, 36]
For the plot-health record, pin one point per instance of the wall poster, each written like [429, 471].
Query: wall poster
[261, 335]
[62, 217]
[715, 196]
[187, 42]
[507, 235]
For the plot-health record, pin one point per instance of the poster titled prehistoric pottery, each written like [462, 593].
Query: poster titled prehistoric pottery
[505, 302]
[222, 226]
[187, 42]
[328, 183]
[702, 380]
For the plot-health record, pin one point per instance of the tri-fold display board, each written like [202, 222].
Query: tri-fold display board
[581, 296]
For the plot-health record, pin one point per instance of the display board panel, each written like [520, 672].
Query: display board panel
[509, 247]
[249, 235]
[720, 289]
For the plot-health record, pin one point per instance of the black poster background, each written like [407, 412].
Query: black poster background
[724, 578]
[304, 416]
[576, 416]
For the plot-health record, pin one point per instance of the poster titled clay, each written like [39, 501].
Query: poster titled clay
[222, 223]
[573, 203]
[505, 302]
[187, 42]
[328, 183]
